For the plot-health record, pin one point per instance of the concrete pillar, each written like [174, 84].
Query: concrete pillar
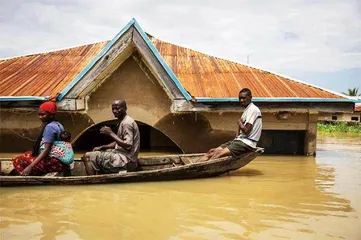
[311, 134]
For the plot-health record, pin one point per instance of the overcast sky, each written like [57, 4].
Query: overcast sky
[315, 41]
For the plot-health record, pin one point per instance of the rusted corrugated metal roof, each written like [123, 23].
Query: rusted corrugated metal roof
[45, 74]
[206, 76]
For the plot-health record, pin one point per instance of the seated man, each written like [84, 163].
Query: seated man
[248, 134]
[122, 153]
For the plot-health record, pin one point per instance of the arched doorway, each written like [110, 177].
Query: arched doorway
[152, 141]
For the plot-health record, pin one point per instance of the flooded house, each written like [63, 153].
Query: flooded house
[182, 99]
[353, 117]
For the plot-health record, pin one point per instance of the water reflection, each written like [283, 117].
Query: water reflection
[272, 198]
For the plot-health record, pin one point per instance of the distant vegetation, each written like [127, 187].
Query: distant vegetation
[352, 92]
[339, 127]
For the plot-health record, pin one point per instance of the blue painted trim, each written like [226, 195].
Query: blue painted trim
[110, 44]
[94, 60]
[22, 98]
[162, 62]
[225, 100]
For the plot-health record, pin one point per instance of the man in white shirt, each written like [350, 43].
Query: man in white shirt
[248, 134]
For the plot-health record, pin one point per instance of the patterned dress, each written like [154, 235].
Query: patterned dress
[47, 165]
[50, 134]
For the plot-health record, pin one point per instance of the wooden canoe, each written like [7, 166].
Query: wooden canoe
[160, 168]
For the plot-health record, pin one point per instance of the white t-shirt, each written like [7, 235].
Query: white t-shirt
[251, 115]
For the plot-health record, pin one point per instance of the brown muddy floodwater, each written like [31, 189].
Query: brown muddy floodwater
[274, 197]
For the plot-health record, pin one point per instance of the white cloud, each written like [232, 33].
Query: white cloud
[280, 36]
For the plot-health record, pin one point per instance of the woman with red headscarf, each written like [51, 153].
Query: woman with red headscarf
[37, 163]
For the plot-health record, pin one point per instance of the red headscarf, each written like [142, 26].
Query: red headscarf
[49, 107]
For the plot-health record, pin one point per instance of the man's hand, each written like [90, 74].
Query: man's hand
[27, 171]
[106, 130]
[97, 149]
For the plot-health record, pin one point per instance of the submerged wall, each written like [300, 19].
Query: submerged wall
[148, 103]
[346, 117]
[19, 129]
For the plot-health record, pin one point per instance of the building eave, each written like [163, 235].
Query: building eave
[22, 98]
[267, 105]
[232, 100]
